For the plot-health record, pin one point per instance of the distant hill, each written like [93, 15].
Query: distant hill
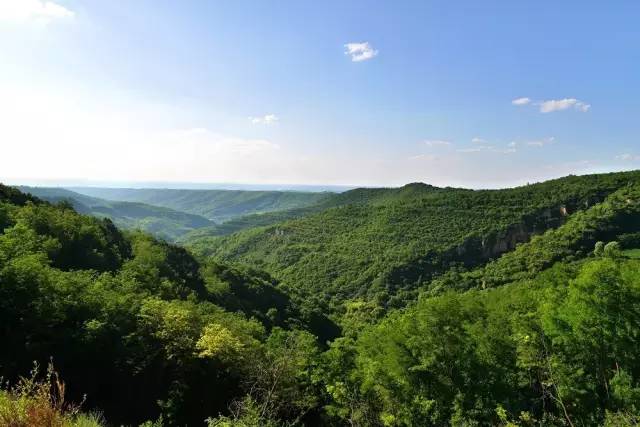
[215, 205]
[162, 222]
[384, 244]
[234, 225]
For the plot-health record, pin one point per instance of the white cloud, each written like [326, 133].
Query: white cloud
[512, 144]
[360, 51]
[424, 157]
[628, 157]
[435, 142]
[477, 140]
[551, 105]
[508, 150]
[267, 119]
[217, 143]
[521, 101]
[25, 10]
[541, 142]
[488, 149]
[563, 104]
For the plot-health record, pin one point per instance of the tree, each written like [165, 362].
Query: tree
[612, 250]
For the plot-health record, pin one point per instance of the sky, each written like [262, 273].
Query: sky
[474, 93]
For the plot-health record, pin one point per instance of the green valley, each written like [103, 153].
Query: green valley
[383, 245]
[162, 222]
[402, 306]
[215, 205]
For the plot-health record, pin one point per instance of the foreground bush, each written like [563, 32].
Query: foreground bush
[35, 402]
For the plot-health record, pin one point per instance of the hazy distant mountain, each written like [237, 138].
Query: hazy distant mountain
[163, 222]
[215, 205]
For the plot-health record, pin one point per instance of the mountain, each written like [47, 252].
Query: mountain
[215, 205]
[385, 244]
[203, 236]
[162, 222]
[515, 307]
[543, 335]
[139, 325]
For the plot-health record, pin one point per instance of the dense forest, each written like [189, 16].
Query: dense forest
[215, 205]
[165, 223]
[409, 306]
[381, 246]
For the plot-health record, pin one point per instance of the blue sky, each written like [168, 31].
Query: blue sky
[302, 92]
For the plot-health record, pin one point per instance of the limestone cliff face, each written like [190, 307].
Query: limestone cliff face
[476, 250]
[492, 246]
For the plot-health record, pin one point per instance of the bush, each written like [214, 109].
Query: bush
[34, 402]
[612, 249]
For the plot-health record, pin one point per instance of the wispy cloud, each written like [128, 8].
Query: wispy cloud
[551, 105]
[521, 101]
[435, 142]
[360, 51]
[477, 140]
[563, 104]
[488, 149]
[218, 143]
[267, 119]
[628, 157]
[26, 10]
[423, 157]
[541, 142]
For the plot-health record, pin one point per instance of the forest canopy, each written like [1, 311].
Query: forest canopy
[391, 307]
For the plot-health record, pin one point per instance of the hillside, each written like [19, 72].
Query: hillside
[132, 314]
[558, 349]
[384, 244]
[545, 333]
[205, 236]
[162, 222]
[215, 205]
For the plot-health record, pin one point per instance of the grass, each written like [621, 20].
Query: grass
[35, 402]
[632, 253]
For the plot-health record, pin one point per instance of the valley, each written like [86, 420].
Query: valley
[389, 306]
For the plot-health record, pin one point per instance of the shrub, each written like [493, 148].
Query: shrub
[35, 402]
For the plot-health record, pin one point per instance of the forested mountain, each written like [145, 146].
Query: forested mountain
[215, 205]
[162, 222]
[382, 245]
[555, 344]
[515, 307]
[140, 325]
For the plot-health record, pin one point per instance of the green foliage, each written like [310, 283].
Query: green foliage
[616, 215]
[162, 222]
[630, 240]
[560, 348]
[36, 402]
[612, 249]
[215, 205]
[138, 324]
[632, 253]
[434, 331]
[384, 244]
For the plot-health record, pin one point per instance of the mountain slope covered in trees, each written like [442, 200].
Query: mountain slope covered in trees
[215, 205]
[137, 324]
[383, 244]
[162, 222]
[541, 332]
